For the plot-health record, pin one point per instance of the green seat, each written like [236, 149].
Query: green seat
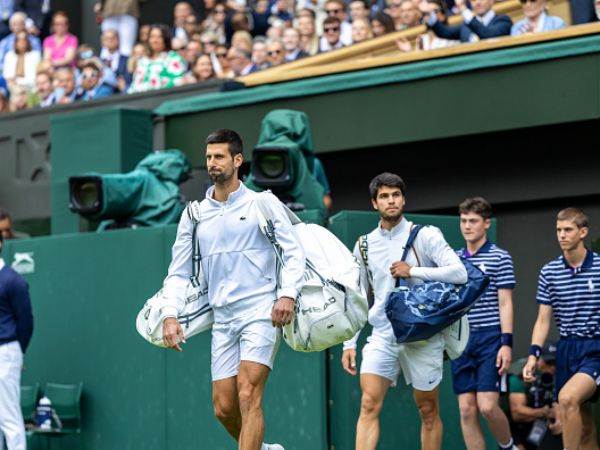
[29, 397]
[65, 400]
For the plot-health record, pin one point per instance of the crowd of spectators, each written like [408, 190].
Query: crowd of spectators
[42, 63]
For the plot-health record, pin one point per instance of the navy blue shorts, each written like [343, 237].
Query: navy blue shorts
[475, 370]
[577, 355]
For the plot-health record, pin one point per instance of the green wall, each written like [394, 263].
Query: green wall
[516, 96]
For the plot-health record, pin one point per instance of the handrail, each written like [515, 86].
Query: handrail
[373, 49]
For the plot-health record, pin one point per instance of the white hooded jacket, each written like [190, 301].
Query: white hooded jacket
[238, 261]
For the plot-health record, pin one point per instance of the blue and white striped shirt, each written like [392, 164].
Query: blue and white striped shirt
[498, 265]
[574, 295]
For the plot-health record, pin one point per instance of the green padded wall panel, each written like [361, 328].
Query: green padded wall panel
[400, 425]
[107, 141]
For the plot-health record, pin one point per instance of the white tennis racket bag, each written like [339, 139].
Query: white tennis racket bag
[194, 312]
[332, 305]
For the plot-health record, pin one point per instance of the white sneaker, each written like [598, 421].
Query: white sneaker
[273, 447]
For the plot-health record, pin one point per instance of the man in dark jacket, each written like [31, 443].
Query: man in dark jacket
[480, 22]
[16, 327]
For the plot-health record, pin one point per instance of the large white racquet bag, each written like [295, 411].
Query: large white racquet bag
[332, 305]
[195, 314]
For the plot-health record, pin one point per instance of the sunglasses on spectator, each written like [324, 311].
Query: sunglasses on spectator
[221, 55]
[274, 52]
[332, 11]
[89, 76]
[331, 29]
[530, 1]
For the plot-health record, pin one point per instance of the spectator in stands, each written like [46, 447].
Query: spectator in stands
[19, 97]
[382, 23]
[583, 11]
[20, 63]
[240, 61]
[396, 13]
[309, 41]
[275, 31]
[92, 85]
[17, 24]
[65, 91]
[536, 19]
[429, 40]
[164, 68]
[480, 23]
[221, 64]
[410, 16]
[337, 9]
[39, 13]
[242, 39]
[181, 12]
[237, 22]
[361, 30]
[359, 10]
[120, 15]
[139, 51]
[209, 42]
[193, 49]
[331, 34]
[260, 17]
[202, 70]
[44, 89]
[191, 26]
[291, 44]
[215, 22]
[283, 10]
[60, 48]
[16, 328]
[144, 34]
[275, 52]
[115, 60]
[7, 8]
[259, 53]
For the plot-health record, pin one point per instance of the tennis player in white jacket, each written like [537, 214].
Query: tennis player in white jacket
[432, 259]
[240, 268]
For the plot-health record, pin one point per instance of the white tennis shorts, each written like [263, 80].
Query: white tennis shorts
[421, 362]
[242, 336]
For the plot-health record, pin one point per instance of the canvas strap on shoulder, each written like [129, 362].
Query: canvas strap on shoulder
[414, 231]
[193, 211]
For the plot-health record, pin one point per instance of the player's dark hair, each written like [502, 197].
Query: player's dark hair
[226, 136]
[386, 179]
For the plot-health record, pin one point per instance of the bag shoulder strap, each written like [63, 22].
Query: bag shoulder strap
[193, 211]
[414, 231]
[363, 248]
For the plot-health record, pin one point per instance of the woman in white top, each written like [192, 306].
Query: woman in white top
[21, 62]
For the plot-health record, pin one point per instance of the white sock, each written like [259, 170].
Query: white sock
[508, 445]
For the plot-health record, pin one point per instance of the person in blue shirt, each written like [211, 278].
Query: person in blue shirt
[477, 373]
[16, 327]
[569, 291]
